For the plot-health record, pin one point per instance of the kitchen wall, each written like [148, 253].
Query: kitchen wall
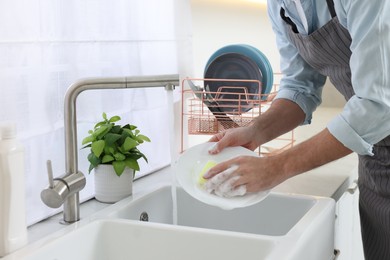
[217, 23]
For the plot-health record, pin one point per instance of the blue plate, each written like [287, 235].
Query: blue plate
[238, 61]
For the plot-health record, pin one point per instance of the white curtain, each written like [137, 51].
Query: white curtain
[45, 45]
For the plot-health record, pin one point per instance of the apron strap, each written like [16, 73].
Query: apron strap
[331, 8]
[292, 24]
[288, 20]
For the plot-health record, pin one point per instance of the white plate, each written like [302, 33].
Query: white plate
[192, 161]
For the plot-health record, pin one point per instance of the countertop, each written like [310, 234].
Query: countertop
[330, 180]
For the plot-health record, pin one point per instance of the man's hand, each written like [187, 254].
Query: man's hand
[263, 173]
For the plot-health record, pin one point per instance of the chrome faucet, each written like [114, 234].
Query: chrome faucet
[65, 190]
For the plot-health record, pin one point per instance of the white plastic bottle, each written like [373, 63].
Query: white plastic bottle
[13, 228]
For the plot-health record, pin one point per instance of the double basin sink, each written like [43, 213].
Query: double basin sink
[154, 226]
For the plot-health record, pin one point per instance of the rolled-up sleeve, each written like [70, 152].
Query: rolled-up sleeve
[342, 130]
[365, 119]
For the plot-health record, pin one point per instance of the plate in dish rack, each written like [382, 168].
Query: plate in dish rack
[189, 165]
[238, 62]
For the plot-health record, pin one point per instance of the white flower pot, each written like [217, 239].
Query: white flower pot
[109, 187]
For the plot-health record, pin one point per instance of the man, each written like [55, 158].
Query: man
[349, 42]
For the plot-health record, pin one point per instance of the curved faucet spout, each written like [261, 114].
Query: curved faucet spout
[71, 202]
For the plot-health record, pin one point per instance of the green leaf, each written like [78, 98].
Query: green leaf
[119, 167]
[116, 129]
[88, 139]
[104, 116]
[143, 138]
[97, 147]
[86, 146]
[126, 126]
[111, 138]
[132, 164]
[95, 161]
[143, 156]
[90, 168]
[121, 150]
[99, 124]
[129, 144]
[127, 132]
[137, 154]
[122, 139]
[114, 119]
[109, 150]
[107, 158]
[100, 130]
[119, 157]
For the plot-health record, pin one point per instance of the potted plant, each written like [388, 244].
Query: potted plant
[114, 157]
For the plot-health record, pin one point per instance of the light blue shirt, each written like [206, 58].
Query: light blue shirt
[365, 119]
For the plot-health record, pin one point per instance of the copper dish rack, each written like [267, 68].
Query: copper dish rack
[200, 113]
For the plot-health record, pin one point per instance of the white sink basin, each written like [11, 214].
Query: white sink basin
[124, 239]
[281, 227]
[303, 225]
[275, 216]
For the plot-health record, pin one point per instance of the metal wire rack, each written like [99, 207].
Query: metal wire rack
[206, 112]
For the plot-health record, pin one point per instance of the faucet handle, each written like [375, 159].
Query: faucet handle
[50, 174]
[55, 195]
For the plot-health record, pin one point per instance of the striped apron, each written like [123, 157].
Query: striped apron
[327, 50]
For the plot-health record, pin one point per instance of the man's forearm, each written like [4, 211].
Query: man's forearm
[312, 153]
[283, 116]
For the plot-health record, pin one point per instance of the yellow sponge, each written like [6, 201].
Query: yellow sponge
[205, 168]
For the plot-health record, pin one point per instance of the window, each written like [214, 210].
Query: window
[45, 45]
